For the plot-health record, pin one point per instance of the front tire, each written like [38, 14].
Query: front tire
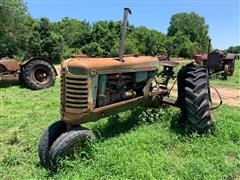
[47, 139]
[38, 74]
[67, 142]
[194, 97]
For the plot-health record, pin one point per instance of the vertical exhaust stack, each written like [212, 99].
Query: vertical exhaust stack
[123, 33]
[209, 45]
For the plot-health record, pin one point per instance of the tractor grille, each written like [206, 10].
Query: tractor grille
[74, 93]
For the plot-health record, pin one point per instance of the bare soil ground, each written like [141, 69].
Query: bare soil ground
[230, 96]
[58, 68]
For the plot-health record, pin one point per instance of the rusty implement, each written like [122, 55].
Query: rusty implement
[9, 65]
[9, 71]
[35, 73]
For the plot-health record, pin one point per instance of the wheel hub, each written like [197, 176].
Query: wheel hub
[41, 75]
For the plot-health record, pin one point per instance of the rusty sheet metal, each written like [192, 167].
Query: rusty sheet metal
[168, 63]
[98, 113]
[9, 64]
[78, 86]
[229, 56]
[110, 65]
[105, 111]
[9, 79]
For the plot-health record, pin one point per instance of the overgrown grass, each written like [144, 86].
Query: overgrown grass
[128, 147]
[231, 81]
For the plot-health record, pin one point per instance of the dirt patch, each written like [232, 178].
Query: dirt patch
[230, 96]
[58, 68]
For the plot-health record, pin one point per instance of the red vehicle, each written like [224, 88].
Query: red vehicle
[217, 62]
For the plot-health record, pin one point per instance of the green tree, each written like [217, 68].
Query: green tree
[181, 46]
[106, 34]
[13, 27]
[191, 26]
[234, 49]
[146, 40]
[44, 42]
[74, 32]
[93, 49]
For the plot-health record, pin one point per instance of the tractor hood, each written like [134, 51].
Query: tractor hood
[91, 66]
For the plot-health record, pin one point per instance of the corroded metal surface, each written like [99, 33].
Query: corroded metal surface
[110, 65]
[92, 88]
[216, 62]
[9, 64]
[229, 56]
[96, 114]
[9, 71]
[168, 63]
[9, 79]
[123, 33]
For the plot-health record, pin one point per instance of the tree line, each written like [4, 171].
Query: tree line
[22, 36]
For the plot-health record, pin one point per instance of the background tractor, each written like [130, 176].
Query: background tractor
[35, 73]
[217, 62]
[93, 88]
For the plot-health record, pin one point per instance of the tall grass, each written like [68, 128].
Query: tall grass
[139, 144]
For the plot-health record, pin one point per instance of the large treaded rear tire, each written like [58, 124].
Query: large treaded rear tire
[65, 143]
[47, 139]
[38, 74]
[194, 96]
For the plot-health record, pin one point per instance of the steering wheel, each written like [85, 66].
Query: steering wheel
[163, 52]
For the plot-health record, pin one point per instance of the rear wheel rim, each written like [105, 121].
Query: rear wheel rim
[41, 74]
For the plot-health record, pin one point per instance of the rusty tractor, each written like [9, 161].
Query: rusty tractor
[35, 73]
[217, 62]
[93, 88]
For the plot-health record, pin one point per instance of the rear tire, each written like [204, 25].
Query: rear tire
[38, 74]
[232, 66]
[226, 71]
[67, 142]
[47, 139]
[194, 96]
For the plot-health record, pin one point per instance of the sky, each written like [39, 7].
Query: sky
[222, 16]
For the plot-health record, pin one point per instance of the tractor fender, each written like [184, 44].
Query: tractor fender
[230, 56]
[38, 58]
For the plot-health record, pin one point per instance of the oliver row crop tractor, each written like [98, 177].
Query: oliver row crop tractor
[93, 88]
[35, 73]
